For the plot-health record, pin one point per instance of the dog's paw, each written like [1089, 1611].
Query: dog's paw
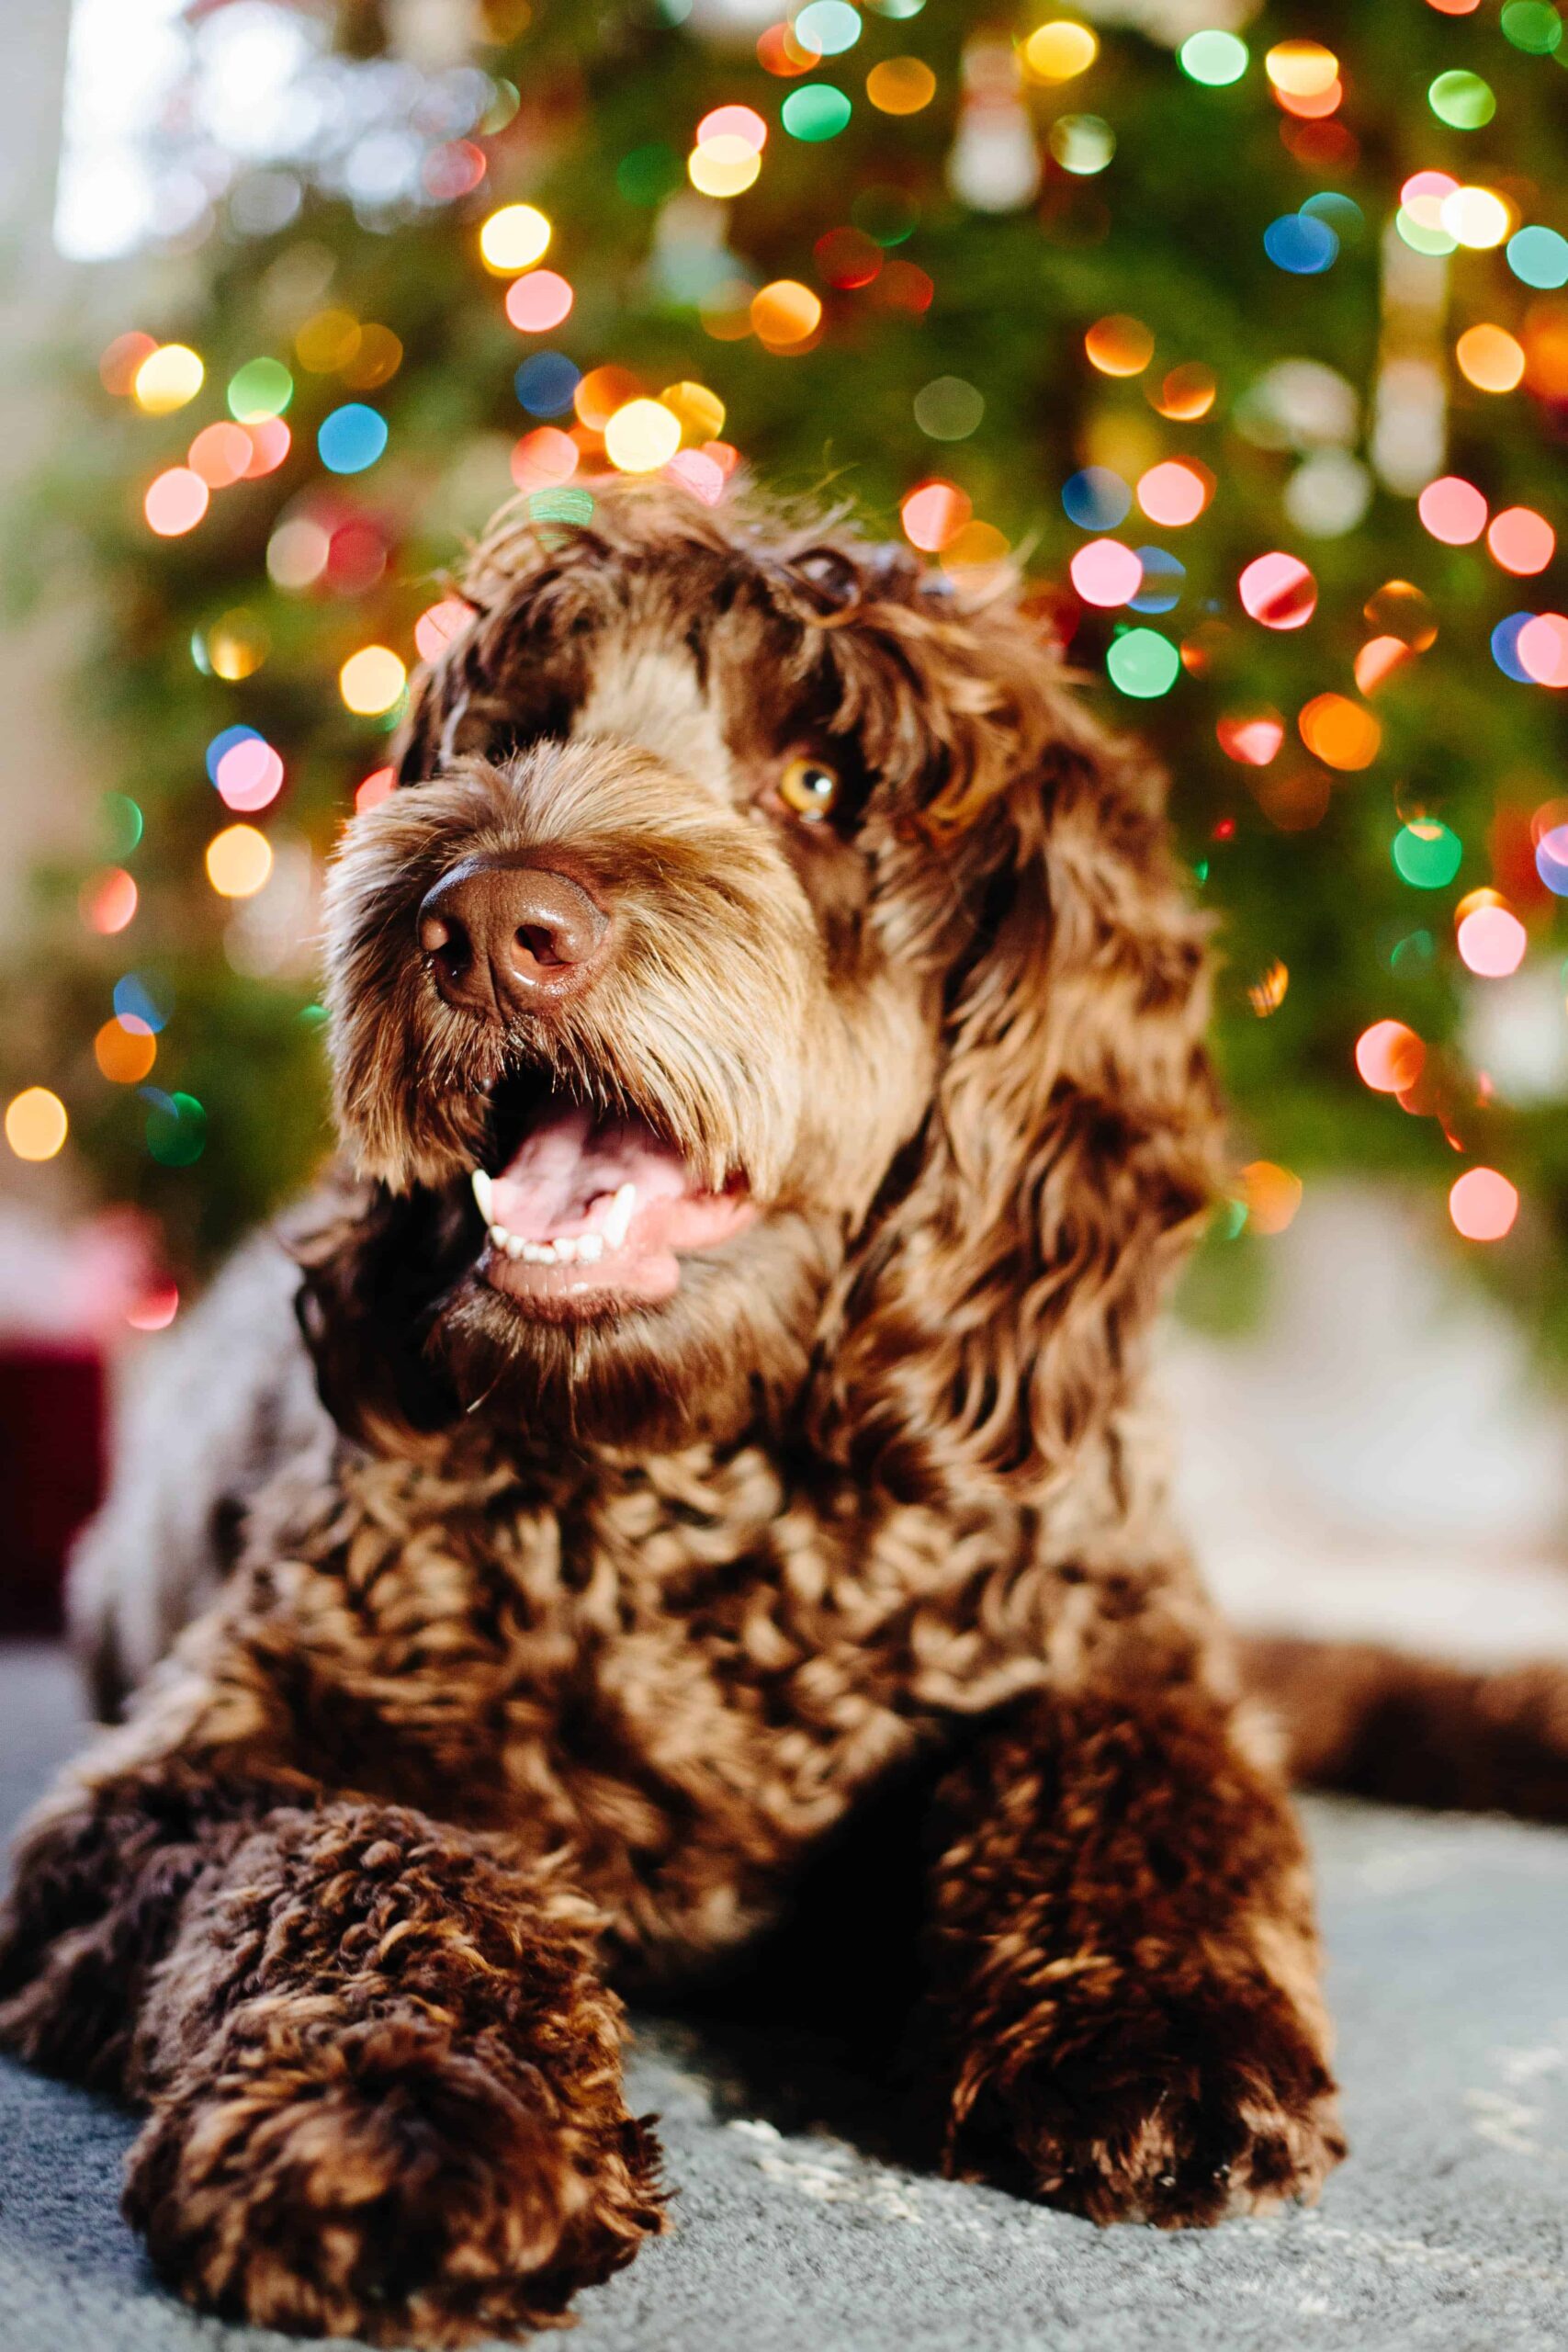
[383, 2184]
[1178, 2111]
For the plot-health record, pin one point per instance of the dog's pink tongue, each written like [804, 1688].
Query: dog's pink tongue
[567, 1163]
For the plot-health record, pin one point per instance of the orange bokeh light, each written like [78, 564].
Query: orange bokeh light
[1389, 1057]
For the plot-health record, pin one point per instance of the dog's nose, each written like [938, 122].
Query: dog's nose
[517, 937]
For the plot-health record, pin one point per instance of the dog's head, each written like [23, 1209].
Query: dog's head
[767, 996]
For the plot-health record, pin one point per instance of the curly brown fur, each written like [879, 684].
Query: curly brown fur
[638, 1584]
[1125, 1965]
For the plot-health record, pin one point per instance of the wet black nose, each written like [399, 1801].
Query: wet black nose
[503, 937]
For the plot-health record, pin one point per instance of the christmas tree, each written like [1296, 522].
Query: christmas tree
[1242, 328]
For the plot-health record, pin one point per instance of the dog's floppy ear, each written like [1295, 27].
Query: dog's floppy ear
[990, 1317]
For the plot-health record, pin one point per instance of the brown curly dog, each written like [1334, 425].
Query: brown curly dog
[768, 1037]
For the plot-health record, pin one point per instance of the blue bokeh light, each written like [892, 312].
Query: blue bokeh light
[545, 382]
[1097, 499]
[351, 438]
[1298, 243]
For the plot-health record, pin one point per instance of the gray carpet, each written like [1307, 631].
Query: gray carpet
[1447, 2229]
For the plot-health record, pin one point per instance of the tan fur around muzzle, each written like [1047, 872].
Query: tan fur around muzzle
[712, 998]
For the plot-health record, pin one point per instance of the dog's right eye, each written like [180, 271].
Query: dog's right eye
[810, 787]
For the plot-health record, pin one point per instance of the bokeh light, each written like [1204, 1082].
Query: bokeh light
[1279, 590]
[1106, 573]
[1389, 1057]
[378, 785]
[1118, 345]
[900, 86]
[1426, 853]
[815, 112]
[1482, 1204]
[36, 1123]
[641, 437]
[1491, 939]
[1541, 648]
[221, 454]
[1272, 1196]
[167, 378]
[1490, 358]
[1059, 51]
[545, 457]
[1186, 393]
[249, 774]
[1143, 663]
[514, 238]
[1251, 738]
[1340, 733]
[261, 390]
[935, 514]
[239, 861]
[785, 313]
[1463, 100]
[108, 900]
[1173, 492]
[1520, 540]
[439, 625]
[351, 438]
[175, 502]
[371, 681]
[1213, 58]
[538, 301]
[124, 1056]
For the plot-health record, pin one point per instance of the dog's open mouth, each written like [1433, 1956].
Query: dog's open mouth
[591, 1208]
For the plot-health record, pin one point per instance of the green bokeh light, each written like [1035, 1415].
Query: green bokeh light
[1427, 854]
[1532, 26]
[1214, 59]
[261, 388]
[816, 111]
[1461, 100]
[1144, 664]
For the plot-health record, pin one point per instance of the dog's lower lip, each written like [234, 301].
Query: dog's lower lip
[644, 1272]
[591, 1209]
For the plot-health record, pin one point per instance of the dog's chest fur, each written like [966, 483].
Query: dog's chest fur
[686, 1669]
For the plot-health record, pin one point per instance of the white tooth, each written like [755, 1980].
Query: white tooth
[617, 1224]
[499, 1235]
[590, 1249]
[515, 1246]
[566, 1250]
[532, 1251]
[480, 1182]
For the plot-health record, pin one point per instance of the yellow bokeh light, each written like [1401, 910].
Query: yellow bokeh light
[1490, 358]
[902, 84]
[239, 860]
[641, 437]
[785, 312]
[699, 412]
[167, 378]
[236, 646]
[371, 680]
[514, 239]
[126, 1056]
[1301, 69]
[723, 166]
[328, 340]
[36, 1123]
[1476, 217]
[1057, 53]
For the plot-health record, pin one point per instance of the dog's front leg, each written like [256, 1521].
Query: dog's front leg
[383, 2074]
[1124, 1965]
